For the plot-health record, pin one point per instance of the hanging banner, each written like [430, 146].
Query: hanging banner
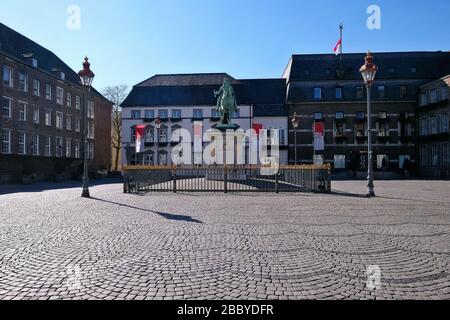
[319, 136]
[140, 134]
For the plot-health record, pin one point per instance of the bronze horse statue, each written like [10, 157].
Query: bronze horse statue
[226, 103]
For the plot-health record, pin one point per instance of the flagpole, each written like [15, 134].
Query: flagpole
[341, 28]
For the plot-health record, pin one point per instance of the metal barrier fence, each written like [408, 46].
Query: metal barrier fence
[143, 179]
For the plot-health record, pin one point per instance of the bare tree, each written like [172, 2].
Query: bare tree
[116, 94]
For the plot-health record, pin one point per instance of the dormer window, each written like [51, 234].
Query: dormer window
[62, 76]
[34, 63]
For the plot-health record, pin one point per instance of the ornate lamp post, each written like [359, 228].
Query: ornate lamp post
[295, 124]
[368, 72]
[158, 123]
[86, 77]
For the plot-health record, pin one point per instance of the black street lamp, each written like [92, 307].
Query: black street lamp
[86, 77]
[295, 124]
[368, 72]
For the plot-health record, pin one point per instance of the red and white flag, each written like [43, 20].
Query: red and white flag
[338, 48]
[140, 133]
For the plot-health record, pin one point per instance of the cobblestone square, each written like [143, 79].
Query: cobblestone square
[56, 245]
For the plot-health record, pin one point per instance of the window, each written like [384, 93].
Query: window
[68, 122]
[135, 114]
[215, 113]
[163, 114]
[423, 126]
[77, 125]
[434, 127]
[68, 148]
[423, 99]
[282, 134]
[133, 134]
[149, 114]
[339, 116]
[403, 91]
[59, 95]
[391, 70]
[22, 111]
[23, 82]
[198, 114]
[48, 118]
[340, 129]
[48, 91]
[163, 135]
[382, 161]
[69, 99]
[236, 114]
[77, 102]
[318, 116]
[6, 141]
[339, 161]
[444, 122]
[360, 130]
[383, 130]
[35, 145]
[424, 156]
[59, 146]
[163, 158]
[382, 115]
[48, 147]
[413, 69]
[91, 150]
[445, 154]
[36, 115]
[434, 155]
[22, 143]
[7, 107]
[401, 160]
[59, 120]
[36, 88]
[381, 92]
[176, 114]
[91, 110]
[433, 96]
[77, 149]
[149, 134]
[91, 131]
[317, 93]
[444, 92]
[7, 77]
[338, 93]
[360, 115]
[359, 92]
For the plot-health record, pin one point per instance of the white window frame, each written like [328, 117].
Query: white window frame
[77, 102]
[68, 122]
[48, 91]
[22, 146]
[59, 96]
[77, 149]
[35, 145]
[77, 125]
[68, 99]
[91, 110]
[48, 118]
[10, 83]
[22, 85]
[36, 116]
[22, 113]
[48, 147]
[7, 142]
[36, 88]
[59, 121]
[68, 148]
[59, 151]
[11, 101]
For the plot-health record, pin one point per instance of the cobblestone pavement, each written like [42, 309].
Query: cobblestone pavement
[55, 245]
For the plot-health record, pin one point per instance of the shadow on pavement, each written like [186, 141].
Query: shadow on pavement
[46, 186]
[168, 216]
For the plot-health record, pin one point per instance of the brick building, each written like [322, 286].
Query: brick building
[433, 128]
[321, 89]
[41, 118]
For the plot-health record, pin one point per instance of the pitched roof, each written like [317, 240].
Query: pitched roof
[198, 90]
[392, 65]
[19, 47]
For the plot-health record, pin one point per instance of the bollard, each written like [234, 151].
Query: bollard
[276, 183]
[225, 180]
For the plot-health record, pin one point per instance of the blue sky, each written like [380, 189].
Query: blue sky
[129, 41]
